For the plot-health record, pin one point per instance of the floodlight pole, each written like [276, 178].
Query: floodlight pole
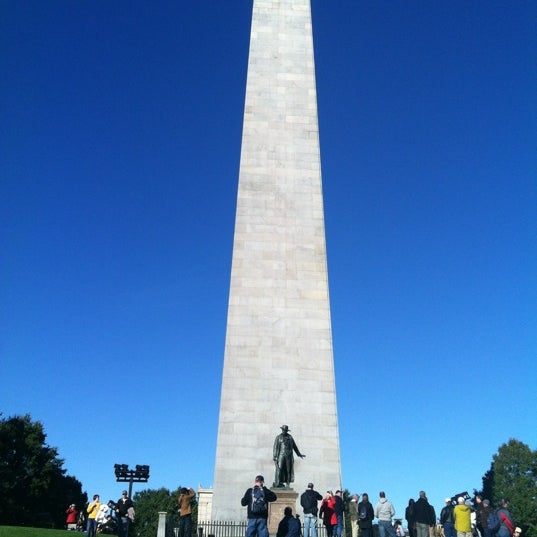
[124, 475]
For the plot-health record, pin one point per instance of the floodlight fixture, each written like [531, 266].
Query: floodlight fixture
[124, 475]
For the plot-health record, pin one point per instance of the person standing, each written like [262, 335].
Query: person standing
[366, 514]
[92, 510]
[476, 514]
[353, 514]
[339, 509]
[410, 519]
[424, 516]
[462, 515]
[507, 526]
[446, 519]
[327, 513]
[384, 511]
[124, 513]
[72, 517]
[282, 454]
[308, 501]
[483, 517]
[256, 500]
[185, 511]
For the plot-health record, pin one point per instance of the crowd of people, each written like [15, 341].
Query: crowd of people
[117, 517]
[106, 518]
[459, 517]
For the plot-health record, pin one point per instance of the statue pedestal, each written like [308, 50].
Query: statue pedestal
[286, 497]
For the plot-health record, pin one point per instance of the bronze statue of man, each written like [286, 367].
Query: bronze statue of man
[282, 454]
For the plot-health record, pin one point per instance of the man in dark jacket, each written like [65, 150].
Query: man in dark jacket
[308, 501]
[446, 519]
[339, 508]
[366, 514]
[122, 511]
[256, 499]
[424, 515]
[289, 525]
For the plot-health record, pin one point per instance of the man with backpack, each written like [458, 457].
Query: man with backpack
[308, 501]
[256, 500]
[507, 526]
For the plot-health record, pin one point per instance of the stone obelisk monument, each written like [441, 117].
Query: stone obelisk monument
[278, 362]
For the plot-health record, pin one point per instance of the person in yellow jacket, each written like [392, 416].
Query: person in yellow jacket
[92, 510]
[462, 514]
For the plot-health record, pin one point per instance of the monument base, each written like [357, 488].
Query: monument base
[286, 498]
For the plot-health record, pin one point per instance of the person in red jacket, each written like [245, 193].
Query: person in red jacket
[328, 513]
[72, 517]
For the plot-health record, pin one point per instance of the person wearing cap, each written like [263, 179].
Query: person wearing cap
[124, 511]
[308, 501]
[483, 517]
[507, 526]
[517, 532]
[447, 520]
[282, 455]
[384, 512]
[185, 511]
[462, 515]
[256, 500]
[366, 514]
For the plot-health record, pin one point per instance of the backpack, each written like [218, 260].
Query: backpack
[362, 511]
[493, 521]
[259, 504]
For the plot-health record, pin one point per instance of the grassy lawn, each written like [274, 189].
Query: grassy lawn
[19, 531]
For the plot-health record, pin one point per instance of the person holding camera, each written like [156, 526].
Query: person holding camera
[256, 499]
[92, 510]
[185, 512]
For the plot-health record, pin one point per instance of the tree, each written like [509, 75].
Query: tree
[148, 503]
[513, 475]
[34, 489]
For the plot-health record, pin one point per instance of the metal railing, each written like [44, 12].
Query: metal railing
[216, 528]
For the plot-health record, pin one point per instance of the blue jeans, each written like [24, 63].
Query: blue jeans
[339, 527]
[185, 526]
[91, 528]
[449, 529]
[122, 526]
[385, 527]
[310, 525]
[257, 527]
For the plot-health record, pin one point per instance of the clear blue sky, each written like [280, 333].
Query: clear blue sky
[119, 154]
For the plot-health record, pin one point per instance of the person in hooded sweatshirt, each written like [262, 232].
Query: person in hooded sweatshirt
[384, 511]
[463, 518]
